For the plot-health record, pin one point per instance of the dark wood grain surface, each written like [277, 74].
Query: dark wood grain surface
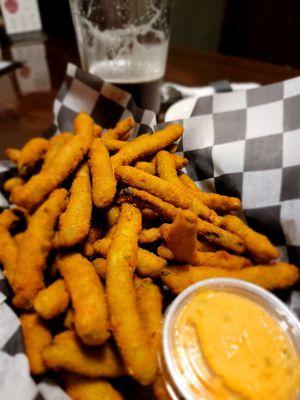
[25, 113]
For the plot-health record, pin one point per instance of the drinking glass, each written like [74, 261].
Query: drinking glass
[125, 42]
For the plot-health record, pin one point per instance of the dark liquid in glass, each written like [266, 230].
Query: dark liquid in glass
[146, 94]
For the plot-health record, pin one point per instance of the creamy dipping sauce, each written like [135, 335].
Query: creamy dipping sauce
[227, 346]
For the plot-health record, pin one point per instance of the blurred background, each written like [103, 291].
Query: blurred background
[265, 30]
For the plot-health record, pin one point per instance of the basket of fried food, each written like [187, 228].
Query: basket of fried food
[101, 229]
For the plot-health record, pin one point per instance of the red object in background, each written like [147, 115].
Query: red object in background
[12, 6]
[25, 72]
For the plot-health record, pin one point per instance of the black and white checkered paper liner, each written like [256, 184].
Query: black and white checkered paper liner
[245, 144]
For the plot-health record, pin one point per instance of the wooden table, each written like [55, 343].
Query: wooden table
[27, 111]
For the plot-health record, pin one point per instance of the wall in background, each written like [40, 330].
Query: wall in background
[266, 30]
[198, 23]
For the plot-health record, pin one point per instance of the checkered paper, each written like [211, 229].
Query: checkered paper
[245, 144]
[105, 102]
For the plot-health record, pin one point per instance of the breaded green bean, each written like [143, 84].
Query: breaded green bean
[8, 254]
[68, 353]
[102, 246]
[146, 167]
[112, 216]
[81, 388]
[74, 223]
[214, 201]
[258, 245]
[121, 130]
[156, 186]
[180, 161]
[181, 236]
[95, 233]
[33, 151]
[13, 154]
[148, 263]
[69, 319]
[149, 235]
[55, 144]
[113, 145]
[166, 169]
[12, 183]
[129, 333]
[147, 145]
[145, 200]
[220, 237]
[150, 303]
[87, 296]
[8, 218]
[220, 259]
[100, 265]
[103, 180]
[27, 279]
[53, 300]
[273, 276]
[164, 252]
[97, 130]
[36, 338]
[150, 307]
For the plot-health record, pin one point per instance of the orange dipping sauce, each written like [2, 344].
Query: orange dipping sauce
[226, 346]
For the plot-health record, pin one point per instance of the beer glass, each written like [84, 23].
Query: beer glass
[125, 42]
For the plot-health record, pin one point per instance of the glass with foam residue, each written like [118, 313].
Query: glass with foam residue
[125, 42]
[229, 339]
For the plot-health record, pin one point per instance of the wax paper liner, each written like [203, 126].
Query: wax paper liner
[244, 144]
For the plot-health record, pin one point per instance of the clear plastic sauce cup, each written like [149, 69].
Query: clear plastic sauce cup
[205, 361]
